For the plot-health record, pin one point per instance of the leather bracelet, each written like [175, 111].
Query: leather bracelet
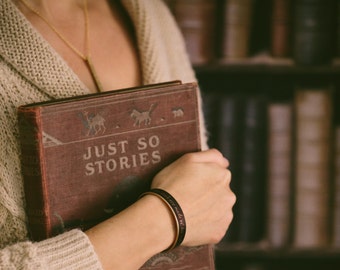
[176, 211]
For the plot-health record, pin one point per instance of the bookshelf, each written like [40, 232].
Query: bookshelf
[278, 81]
[274, 66]
[272, 77]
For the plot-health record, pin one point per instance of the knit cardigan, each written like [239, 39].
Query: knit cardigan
[31, 71]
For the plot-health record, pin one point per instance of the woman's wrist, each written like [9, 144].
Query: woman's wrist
[160, 222]
[176, 211]
[143, 229]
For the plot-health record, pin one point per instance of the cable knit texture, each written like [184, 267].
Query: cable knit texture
[30, 71]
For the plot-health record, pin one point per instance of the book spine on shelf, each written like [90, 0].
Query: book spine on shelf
[336, 194]
[229, 141]
[252, 184]
[337, 11]
[280, 147]
[237, 17]
[313, 32]
[313, 108]
[196, 19]
[281, 28]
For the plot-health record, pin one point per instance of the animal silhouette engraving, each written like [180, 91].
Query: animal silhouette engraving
[142, 116]
[94, 123]
[177, 112]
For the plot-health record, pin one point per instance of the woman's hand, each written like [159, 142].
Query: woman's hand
[200, 184]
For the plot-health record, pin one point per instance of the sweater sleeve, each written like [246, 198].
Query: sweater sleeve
[71, 250]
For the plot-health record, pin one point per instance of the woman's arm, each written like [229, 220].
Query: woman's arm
[200, 184]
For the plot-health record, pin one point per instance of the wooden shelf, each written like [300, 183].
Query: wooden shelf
[271, 76]
[236, 257]
[267, 252]
[266, 65]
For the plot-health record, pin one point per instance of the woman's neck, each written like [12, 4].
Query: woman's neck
[51, 9]
[110, 40]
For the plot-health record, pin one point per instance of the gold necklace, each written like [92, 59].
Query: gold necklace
[85, 56]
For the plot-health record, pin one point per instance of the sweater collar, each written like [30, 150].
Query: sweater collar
[27, 52]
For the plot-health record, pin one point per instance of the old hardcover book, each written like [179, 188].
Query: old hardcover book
[252, 176]
[281, 28]
[313, 140]
[314, 32]
[86, 158]
[196, 19]
[280, 149]
[336, 186]
[337, 11]
[230, 138]
[237, 19]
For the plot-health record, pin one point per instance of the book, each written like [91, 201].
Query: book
[313, 140]
[336, 185]
[337, 11]
[281, 28]
[230, 134]
[314, 32]
[252, 178]
[196, 19]
[242, 138]
[237, 22]
[280, 153]
[87, 158]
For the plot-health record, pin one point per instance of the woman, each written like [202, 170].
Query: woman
[54, 49]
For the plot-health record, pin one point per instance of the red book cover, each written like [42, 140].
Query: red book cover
[281, 28]
[86, 158]
[196, 19]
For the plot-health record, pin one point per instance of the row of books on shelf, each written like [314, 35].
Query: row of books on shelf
[306, 32]
[285, 161]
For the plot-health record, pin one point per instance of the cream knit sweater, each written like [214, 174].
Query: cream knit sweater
[30, 70]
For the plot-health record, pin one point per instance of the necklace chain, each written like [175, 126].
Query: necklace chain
[85, 56]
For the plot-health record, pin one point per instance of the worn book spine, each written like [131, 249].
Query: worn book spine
[280, 149]
[313, 108]
[314, 33]
[196, 19]
[237, 20]
[252, 186]
[36, 193]
[281, 28]
[337, 11]
[336, 194]
[230, 133]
